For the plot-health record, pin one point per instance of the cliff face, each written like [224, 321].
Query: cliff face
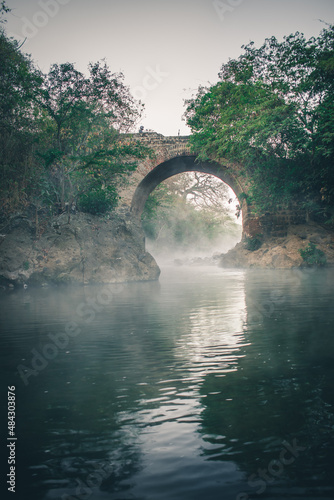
[282, 252]
[89, 249]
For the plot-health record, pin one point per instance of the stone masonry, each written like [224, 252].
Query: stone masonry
[172, 155]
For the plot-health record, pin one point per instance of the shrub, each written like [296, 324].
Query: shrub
[98, 201]
[253, 243]
[313, 256]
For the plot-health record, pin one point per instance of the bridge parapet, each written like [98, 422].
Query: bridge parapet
[165, 147]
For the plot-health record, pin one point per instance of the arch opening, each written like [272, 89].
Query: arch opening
[225, 236]
[179, 165]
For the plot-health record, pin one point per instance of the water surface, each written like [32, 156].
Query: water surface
[209, 384]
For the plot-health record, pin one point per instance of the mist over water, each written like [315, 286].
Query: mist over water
[166, 250]
[181, 389]
[204, 219]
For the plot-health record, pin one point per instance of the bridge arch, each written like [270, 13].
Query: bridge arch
[179, 165]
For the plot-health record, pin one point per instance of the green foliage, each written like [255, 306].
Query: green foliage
[252, 243]
[19, 133]
[60, 133]
[87, 116]
[272, 111]
[98, 201]
[313, 256]
[26, 265]
[157, 211]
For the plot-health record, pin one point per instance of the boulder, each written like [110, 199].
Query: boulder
[87, 250]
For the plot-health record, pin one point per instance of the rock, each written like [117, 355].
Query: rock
[281, 252]
[90, 249]
[282, 261]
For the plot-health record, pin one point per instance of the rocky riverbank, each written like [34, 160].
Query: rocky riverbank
[92, 250]
[282, 253]
[86, 250]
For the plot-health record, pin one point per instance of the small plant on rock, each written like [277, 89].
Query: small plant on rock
[253, 243]
[98, 201]
[313, 256]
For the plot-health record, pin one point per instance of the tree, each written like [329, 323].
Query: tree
[60, 134]
[86, 157]
[3, 10]
[272, 112]
[203, 190]
[18, 125]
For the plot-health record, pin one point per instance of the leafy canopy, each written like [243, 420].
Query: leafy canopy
[272, 111]
[60, 133]
[85, 155]
[19, 129]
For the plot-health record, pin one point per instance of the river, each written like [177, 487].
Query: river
[209, 384]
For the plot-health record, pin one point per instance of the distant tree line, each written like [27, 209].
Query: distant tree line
[272, 112]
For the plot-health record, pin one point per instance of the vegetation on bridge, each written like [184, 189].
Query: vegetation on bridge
[272, 111]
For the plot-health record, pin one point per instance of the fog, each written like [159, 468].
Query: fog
[167, 252]
[196, 218]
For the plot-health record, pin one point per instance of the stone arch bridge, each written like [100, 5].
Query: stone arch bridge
[172, 157]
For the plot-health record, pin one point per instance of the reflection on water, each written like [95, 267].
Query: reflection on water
[210, 384]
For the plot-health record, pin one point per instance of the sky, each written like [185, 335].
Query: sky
[166, 49]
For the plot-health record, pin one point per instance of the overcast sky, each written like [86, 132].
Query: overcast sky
[165, 48]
